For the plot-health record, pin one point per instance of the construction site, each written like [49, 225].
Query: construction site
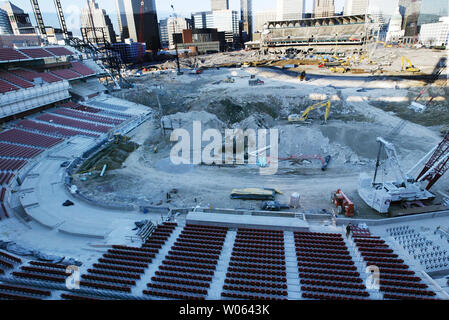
[95, 204]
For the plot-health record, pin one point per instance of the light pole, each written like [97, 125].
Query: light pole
[174, 40]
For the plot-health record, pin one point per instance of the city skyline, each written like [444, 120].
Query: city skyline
[183, 9]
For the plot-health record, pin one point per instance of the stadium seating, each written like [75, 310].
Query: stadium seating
[257, 269]
[11, 165]
[36, 53]
[30, 75]
[86, 116]
[187, 270]
[397, 281]
[8, 54]
[7, 87]
[14, 151]
[28, 138]
[122, 266]
[74, 123]
[326, 269]
[52, 130]
[66, 74]
[59, 51]
[82, 69]
[15, 80]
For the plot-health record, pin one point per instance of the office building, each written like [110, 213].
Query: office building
[217, 5]
[19, 20]
[290, 9]
[96, 24]
[143, 27]
[324, 8]
[246, 19]
[353, 7]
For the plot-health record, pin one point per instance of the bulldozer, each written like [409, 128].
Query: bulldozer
[303, 118]
[408, 68]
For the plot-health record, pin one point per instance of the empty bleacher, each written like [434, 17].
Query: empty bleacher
[52, 130]
[86, 116]
[11, 164]
[122, 266]
[326, 269]
[397, 280]
[15, 80]
[82, 69]
[28, 138]
[36, 53]
[257, 269]
[8, 54]
[186, 272]
[30, 75]
[59, 51]
[74, 123]
[14, 151]
[80, 107]
[66, 74]
[7, 87]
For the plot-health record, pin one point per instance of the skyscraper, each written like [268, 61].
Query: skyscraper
[410, 11]
[353, 7]
[94, 17]
[122, 21]
[169, 26]
[142, 22]
[290, 9]
[246, 17]
[219, 5]
[324, 8]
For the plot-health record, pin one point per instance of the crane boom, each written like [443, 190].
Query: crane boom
[392, 156]
[437, 165]
[38, 16]
[61, 18]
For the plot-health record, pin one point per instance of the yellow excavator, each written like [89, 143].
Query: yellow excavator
[303, 118]
[408, 68]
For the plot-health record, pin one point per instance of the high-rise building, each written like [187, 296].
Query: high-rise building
[19, 20]
[170, 26]
[262, 17]
[432, 11]
[122, 21]
[324, 8]
[5, 25]
[435, 34]
[143, 27]
[395, 32]
[226, 21]
[419, 12]
[410, 11]
[290, 9]
[219, 5]
[353, 7]
[94, 19]
[246, 17]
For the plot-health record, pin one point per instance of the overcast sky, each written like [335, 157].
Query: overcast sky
[182, 7]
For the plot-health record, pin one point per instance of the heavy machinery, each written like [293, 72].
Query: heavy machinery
[409, 67]
[303, 118]
[343, 204]
[405, 189]
[118, 138]
[339, 69]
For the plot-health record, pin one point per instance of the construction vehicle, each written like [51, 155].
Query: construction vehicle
[339, 69]
[256, 82]
[296, 159]
[405, 189]
[343, 204]
[118, 138]
[229, 80]
[303, 118]
[408, 68]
